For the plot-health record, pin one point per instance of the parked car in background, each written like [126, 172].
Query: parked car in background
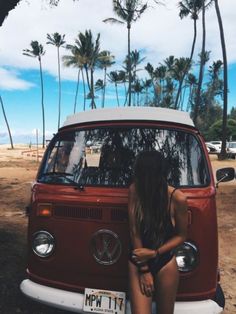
[212, 149]
[231, 149]
[217, 144]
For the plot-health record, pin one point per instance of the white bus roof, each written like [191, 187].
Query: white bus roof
[130, 113]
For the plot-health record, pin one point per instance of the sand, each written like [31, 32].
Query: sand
[18, 169]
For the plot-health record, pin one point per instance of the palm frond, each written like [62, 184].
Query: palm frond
[113, 21]
[28, 53]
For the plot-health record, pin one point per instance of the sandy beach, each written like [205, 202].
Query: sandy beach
[18, 169]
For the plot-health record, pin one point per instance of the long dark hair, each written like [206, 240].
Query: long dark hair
[152, 195]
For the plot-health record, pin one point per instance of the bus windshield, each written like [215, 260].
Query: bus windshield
[104, 156]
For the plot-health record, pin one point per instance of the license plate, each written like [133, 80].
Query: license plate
[104, 301]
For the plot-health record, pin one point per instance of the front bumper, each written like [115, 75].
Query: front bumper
[73, 302]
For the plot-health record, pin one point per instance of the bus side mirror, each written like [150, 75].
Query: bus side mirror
[225, 175]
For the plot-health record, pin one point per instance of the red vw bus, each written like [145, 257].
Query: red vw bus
[78, 234]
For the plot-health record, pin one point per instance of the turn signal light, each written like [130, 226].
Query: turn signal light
[44, 210]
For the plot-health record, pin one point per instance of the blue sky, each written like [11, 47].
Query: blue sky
[158, 34]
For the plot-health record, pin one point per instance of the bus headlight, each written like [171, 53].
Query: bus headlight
[43, 243]
[187, 257]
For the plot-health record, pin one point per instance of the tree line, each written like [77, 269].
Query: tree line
[177, 82]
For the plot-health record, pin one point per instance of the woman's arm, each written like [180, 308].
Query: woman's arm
[146, 281]
[181, 223]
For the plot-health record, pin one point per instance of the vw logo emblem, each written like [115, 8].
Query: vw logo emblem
[105, 247]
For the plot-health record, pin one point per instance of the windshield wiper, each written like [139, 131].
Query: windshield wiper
[65, 176]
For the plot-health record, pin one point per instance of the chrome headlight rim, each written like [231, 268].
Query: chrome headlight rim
[51, 238]
[188, 245]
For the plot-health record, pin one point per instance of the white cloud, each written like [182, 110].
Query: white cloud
[3, 134]
[11, 81]
[159, 32]
[23, 136]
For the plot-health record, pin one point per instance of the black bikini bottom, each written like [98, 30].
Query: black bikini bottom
[157, 263]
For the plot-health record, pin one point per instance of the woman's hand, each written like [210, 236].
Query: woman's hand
[146, 284]
[141, 255]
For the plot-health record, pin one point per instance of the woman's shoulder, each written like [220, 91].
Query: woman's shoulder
[132, 188]
[177, 195]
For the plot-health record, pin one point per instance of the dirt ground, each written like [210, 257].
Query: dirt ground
[17, 171]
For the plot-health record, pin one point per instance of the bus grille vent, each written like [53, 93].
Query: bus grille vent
[119, 215]
[78, 212]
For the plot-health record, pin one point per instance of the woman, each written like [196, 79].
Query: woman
[158, 224]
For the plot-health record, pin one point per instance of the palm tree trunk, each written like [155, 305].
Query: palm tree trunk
[8, 128]
[104, 87]
[155, 93]
[134, 98]
[84, 88]
[194, 40]
[129, 67]
[87, 77]
[42, 100]
[190, 98]
[178, 94]
[126, 94]
[76, 91]
[201, 70]
[225, 96]
[90, 85]
[146, 96]
[118, 103]
[59, 88]
[93, 105]
[188, 65]
[182, 96]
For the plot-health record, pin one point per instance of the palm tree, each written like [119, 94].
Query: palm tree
[181, 67]
[115, 78]
[135, 60]
[168, 100]
[202, 61]
[191, 81]
[99, 85]
[169, 62]
[57, 40]
[170, 82]
[213, 90]
[150, 69]
[77, 60]
[138, 88]
[37, 51]
[147, 84]
[192, 8]
[5, 117]
[128, 11]
[201, 70]
[160, 76]
[89, 50]
[105, 60]
[198, 101]
[225, 95]
[123, 79]
[214, 86]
